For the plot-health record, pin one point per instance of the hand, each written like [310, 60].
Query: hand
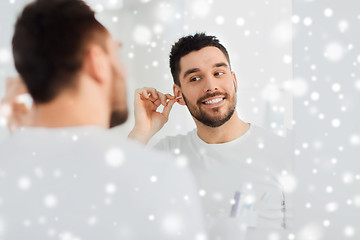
[14, 105]
[148, 120]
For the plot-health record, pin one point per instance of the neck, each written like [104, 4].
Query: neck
[229, 131]
[71, 109]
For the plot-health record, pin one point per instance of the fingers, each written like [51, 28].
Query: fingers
[157, 102]
[144, 94]
[147, 94]
[168, 107]
[15, 86]
[152, 93]
[16, 96]
[163, 98]
[154, 96]
[16, 106]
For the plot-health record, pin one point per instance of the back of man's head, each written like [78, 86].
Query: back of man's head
[49, 44]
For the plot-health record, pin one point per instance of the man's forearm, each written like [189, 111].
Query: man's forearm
[140, 136]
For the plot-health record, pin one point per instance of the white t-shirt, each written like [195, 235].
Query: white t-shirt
[86, 183]
[241, 179]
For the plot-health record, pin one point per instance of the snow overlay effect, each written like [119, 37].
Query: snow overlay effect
[297, 64]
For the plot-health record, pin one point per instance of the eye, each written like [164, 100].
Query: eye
[194, 79]
[218, 74]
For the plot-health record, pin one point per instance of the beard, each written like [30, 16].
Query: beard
[118, 117]
[208, 119]
[119, 111]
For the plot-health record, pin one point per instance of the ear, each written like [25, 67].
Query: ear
[96, 64]
[235, 81]
[178, 93]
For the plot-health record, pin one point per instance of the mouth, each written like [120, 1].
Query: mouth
[214, 101]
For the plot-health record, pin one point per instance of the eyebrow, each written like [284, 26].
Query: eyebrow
[194, 70]
[190, 71]
[222, 64]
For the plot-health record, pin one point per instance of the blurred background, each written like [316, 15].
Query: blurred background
[297, 65]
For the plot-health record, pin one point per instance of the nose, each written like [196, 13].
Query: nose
[210, 84]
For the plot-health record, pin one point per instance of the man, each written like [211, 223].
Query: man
[238, 166]
[66, 176]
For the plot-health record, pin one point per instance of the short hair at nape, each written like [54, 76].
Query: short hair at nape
[49, 44]
[188, 44]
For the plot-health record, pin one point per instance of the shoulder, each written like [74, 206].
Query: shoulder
[270, 137]
[138, 153]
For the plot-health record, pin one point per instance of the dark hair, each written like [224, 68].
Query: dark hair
[188, 44]
[49, 44]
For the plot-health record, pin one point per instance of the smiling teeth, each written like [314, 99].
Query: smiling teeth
[213, 101]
